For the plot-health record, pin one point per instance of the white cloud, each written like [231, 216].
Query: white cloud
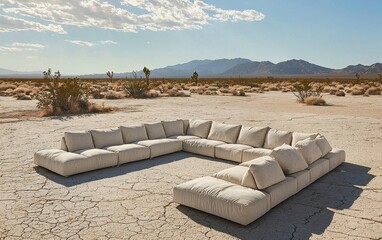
[158, 15]
[12, 24]
[21, 47]
[91, 44]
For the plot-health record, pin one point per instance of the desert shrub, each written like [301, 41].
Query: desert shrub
[304, 89]
[315, 100]
[136, 88]
[238, 92]
[69, 96]
[340, 93]
[373, 91]
[6, 86]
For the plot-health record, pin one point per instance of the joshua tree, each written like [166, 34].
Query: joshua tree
[110, 75]
[147, 72]
[194, 77]
[357, 75]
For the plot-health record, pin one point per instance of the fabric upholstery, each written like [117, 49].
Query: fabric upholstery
[107, 137]
[240, 175]
[253, 153]
[298, 136]
[134, 133]
[309, 150]
[186, 123]
[275, 138]
[303, 179]
[248, 163]
[335, 157]
[155, 130]
[252, 136]
[203, 147]
[78, 140]
[227, 200]
[289, 158]
[63, 144]
[318, 169]
[232, 152]
[199, 128]
[282, 190]
[173, 128]
[159, 147]
[130, 152]
[266, 172]
[227, 133]
[184, 137]
[323, 144]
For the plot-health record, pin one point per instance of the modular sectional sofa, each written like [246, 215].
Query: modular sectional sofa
[273, 164]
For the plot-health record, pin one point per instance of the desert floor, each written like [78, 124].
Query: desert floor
[135, 200]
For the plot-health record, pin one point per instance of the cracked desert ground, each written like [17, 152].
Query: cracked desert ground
[134, 201]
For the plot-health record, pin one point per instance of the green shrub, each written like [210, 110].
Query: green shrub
[305, 89]
[136, 88]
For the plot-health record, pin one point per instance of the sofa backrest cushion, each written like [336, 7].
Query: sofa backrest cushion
[173, 128]
[252, 136]
[240, 175]
[63, 144]
[277, 138]
[323, 144]
[78, 140]
[134, 133]
[298, 136]
[199, 128]
[186, 123]
[266, 172]
[289, 158]
[107, 137]
[224, 132]
[309, 150]
[155, 130]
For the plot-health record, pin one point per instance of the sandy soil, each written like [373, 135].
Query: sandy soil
[135, 200]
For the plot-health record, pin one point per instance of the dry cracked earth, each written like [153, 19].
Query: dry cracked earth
[134, 201]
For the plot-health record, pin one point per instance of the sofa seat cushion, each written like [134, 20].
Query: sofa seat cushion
[221, 198]
[227, 133]
[163, 146]
[78, 140]
[323, 144]
[155, 130]
[134, 133]
[299, 136]
[302, 177]
[107, 137]
[335, 157]
[199, 128]
[232, 152]
[240, 175]
[252, 136]
[289, 158]
[266, 172]
[130, 152]
[173, 128]
[253, 153]
[309, 150]
[68, 163]
[282, 190]
[275, 138]
[184, 137]
[318, 169]
[203, 147]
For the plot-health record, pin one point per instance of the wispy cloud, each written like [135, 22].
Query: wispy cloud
[21, 47]
[158, 15]
[91, 44]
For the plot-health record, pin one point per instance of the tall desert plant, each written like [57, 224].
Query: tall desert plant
[195, 77]
[136, 88]
[147, 72]
[110, 75]
[304, 89]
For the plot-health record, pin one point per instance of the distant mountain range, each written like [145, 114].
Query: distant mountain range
[228, 68]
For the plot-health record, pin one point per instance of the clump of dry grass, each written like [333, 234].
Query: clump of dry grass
[340, 93]
[373, 91]
[315, 100]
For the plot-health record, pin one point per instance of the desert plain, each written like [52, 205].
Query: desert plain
[134, 201]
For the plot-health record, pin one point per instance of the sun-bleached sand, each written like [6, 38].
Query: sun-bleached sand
[134, 201]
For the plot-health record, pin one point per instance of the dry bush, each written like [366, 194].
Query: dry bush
[373, 91]
[22, 90]
[340, 93]
[5, 86]
[136, 88]
[315, 100]
[238, 92]
[111, 95]
[357, 91]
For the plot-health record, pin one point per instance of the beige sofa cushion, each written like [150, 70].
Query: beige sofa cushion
[186, 123]
[63, 144]
[159, 147]
[224, 199]
[323, 144]
[289, 158]
[318, 169]
[130, 152]
[155, 130]
[173, 128]
[107, 137]
[78, 140]
[253, 153]
[335, 157]
[282, 190]
[199, 128]
[240, 175]
[224, 132]
[134, 133]
[266, 172]
[232, 152]
[277, 138]
[309, 150]
[203, 147]
[252, 136]
[303, 179]
[298, 136]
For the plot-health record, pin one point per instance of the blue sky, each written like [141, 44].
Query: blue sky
[95, 36]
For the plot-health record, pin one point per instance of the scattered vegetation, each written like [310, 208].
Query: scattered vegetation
[110, 75]
[305, 89]
[136, 88]
[147, 72]
[315, 100]
[194, 78]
